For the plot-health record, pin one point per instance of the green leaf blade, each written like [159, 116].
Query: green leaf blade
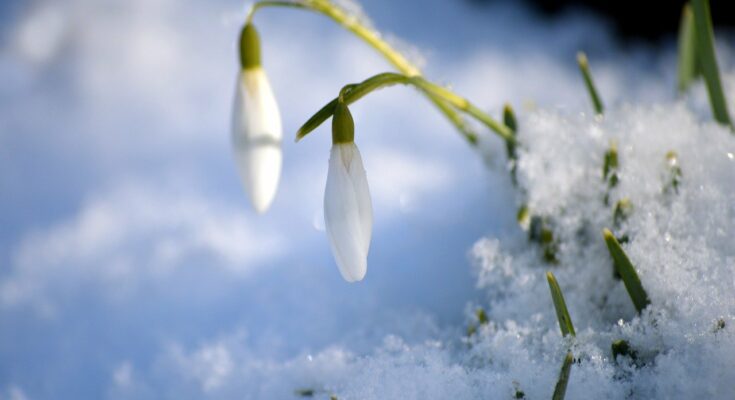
[627, 272]
[589, 83]
[317, 119]
[562, 314]
[687, 54]
[705, 51]
[560, 390]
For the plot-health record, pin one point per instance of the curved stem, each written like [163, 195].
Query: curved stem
[351, 93]
[273, 3]
[370, 37]
[465, 105]
[357, 91]
[350, 23]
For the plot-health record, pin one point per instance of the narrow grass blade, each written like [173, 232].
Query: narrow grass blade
[627, 272]
[585, 69]
[562, 314]
[705, 51]
[561, 385]
[688, 70]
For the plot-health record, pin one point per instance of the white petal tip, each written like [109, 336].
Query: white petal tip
[261, 208]
[260, 169]
[354, 272]
[353, 278]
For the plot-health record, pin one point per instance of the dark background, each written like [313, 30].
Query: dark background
[640, 19]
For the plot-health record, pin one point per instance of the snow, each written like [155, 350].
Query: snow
[681, 244]
[132, 266]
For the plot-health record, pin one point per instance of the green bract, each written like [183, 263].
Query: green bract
[249, 47]
[343, 126]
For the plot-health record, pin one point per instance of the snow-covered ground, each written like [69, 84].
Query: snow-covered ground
[131, 265]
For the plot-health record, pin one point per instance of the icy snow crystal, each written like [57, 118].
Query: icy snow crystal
[680, 239]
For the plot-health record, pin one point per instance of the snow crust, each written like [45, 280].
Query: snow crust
[680, 241]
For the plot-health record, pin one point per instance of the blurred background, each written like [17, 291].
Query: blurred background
[650, 20]
[131, 264]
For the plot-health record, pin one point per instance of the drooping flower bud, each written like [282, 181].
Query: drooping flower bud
[256, 126]
[348, 211]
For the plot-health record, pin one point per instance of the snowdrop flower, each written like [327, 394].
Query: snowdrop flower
[348, 211]
[256, 126]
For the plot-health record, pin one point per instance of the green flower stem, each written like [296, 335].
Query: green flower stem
[350, 23]
[357, 91]
[274, 3]
[705, 51]
[453, 116]
[370, 37]
[464, 105]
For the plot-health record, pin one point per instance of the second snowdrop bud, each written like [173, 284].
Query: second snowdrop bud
[348, 210]
[256, 126]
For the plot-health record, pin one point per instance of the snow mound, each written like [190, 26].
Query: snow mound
[678, 235]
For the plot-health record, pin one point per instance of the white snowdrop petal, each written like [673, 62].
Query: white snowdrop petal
[362, 193]
[344, 212]
[256, 137]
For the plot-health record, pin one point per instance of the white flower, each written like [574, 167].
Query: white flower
[256, 137]
[348, 212]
